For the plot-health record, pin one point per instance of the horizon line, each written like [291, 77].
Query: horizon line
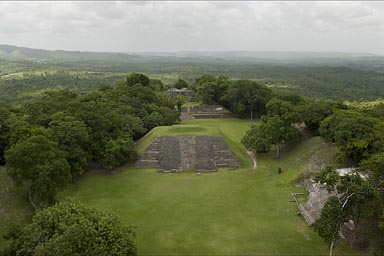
[201, 51]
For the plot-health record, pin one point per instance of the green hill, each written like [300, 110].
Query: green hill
[9, 52]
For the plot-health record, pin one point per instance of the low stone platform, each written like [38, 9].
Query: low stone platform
[186, 153]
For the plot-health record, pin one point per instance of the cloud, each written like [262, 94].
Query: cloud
[172, 26]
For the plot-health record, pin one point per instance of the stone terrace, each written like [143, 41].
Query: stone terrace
[184, 153]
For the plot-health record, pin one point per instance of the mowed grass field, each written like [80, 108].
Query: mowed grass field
[238, 212]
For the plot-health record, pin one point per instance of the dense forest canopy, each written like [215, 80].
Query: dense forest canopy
[59, 132]
[332, 76]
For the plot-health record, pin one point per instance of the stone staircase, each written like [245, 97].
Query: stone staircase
[185, 153]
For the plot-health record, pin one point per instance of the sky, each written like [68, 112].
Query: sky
[163, 26]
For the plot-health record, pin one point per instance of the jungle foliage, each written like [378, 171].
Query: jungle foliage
[49, 141]
[70, 228]
[338, 78]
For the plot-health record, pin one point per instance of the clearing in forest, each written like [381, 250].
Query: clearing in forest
[242, 212]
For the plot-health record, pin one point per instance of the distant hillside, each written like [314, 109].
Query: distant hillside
[268, 55]
[9, 52]
[340, 76]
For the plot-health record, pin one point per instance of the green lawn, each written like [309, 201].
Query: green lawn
[237, 212]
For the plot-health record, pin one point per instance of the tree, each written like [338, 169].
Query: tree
[276, 128]
[272, 130]
[118, 152]
[143, 94]
[136, 78]
[72, 137]
[350, 194]
[328, 225]
[374, 167]
[4, 131]
[39, 165]
[246, 98]
[284, 110]
[292, 98]
[313, 112]
[179, 100]
[70, 228]
[181, 84]
[40, 110]
[373, 226]
[254, 141]
[166, 100]
[278, 132]
[357, 134]
[156, 84]
[210, 89]
[19, 129]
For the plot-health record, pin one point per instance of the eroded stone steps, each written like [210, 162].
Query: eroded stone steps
[183, 153]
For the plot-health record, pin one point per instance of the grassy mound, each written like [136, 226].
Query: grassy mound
[174, 130]
[225, 213]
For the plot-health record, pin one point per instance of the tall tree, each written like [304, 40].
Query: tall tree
[351, 193]
[246, 98]
[277, 127]
[38, 165]
[272, 130]
[72, 137]
[210, 89]
[373, 226]
[328, 226]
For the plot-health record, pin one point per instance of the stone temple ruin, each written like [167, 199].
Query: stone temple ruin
[204, 111]
[317, 198]
[185, 153]
[188, 94]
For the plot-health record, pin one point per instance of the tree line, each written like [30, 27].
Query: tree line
[61, 132]
[338, 79]
[49, 142]
[359, 135]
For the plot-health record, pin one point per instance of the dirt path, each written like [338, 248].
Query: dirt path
[253, 157]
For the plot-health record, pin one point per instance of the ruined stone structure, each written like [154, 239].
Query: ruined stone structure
[204, 111]
[317, 197]
[184, 153]
[188, 94]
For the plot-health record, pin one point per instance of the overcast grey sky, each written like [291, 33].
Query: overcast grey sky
[194, 26]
